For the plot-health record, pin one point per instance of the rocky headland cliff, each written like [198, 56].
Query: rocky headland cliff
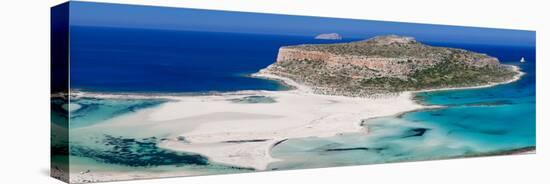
[385, 64]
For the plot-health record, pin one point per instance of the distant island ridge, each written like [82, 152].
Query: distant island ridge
[385, 64]
[329, 36]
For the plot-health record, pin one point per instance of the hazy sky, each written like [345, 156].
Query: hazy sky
[132, 16]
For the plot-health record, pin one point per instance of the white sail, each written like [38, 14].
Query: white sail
[522, 60]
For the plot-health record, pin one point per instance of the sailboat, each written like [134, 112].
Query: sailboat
[522, 60]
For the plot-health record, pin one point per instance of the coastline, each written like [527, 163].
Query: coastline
[293, 85]
[514, 79]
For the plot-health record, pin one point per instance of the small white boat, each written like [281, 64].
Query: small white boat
[522, 60]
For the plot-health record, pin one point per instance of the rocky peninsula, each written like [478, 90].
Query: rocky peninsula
[385, 64]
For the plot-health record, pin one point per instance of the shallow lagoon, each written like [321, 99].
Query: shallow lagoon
[472, 122]
[95, 149]
[87, 111]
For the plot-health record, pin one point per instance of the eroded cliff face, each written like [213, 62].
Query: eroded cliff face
[397, 65]
[384, 64]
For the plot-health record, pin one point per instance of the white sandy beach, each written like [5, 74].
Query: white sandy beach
[242, 134]
[294, 115]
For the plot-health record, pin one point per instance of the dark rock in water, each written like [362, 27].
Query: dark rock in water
[136, 153]
[436, 114]
[182, 139]
[245, 141]
[355, 149]
[415, 132]
[280, 142]
[492, 103]
[364, 122]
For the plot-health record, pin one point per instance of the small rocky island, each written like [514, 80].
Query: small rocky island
[329, 36]
[385, 64]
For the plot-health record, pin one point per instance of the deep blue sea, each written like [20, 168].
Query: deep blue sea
[472, 121]
[148, 60]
